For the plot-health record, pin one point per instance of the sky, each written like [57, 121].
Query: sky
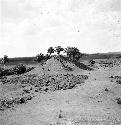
[29, 27]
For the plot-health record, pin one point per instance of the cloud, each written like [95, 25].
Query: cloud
[109, 5]
[34, 25]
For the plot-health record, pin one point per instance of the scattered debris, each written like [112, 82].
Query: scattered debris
[117, 79]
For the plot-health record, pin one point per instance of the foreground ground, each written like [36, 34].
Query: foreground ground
[93, 102]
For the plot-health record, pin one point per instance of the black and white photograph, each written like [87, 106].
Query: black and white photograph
[60, 62]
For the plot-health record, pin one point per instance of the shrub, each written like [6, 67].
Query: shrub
[19, 69]
[5, 59]
[47, 56]
[92, 62]
[39, 57]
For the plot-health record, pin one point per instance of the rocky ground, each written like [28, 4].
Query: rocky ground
[61, 93]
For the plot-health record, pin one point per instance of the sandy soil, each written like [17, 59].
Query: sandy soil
[91, 103]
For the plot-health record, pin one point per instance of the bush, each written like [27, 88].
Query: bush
[5, 59]
[39, 57]
[19, 69]
[92, 62]
[47, 56]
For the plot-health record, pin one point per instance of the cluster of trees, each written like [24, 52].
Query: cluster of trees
[72, 53]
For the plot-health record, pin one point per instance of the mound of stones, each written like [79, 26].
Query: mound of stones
[60, 63]
[53, 65]
[57, 64]
[50, 82]
[60, 81]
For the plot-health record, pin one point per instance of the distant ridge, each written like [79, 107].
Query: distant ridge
[102, 55]
[112, 53]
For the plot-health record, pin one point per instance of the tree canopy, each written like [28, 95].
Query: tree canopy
[50, 50]
[58, 49]
[73, 53]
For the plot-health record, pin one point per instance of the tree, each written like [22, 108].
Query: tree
[73, 53]
[58, 49]
[5, 59]
[39, 57]
[50, 50]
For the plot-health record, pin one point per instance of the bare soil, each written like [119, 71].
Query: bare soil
[43, 96]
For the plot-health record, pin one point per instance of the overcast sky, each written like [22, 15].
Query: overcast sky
[29, 27]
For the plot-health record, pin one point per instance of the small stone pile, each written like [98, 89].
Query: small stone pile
[56, 81]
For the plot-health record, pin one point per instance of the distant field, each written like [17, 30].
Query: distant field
[30, 60]
[101, 56]
[23, 60]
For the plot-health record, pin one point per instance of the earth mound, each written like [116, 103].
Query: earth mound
[60, 63]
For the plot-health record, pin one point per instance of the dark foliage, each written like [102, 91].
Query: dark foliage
[59, 49]
[19, 69]
[39, 57]
[73, 54]
[5, 60]
[50, 50]
[47, 56]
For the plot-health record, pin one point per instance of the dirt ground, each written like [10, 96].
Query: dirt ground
[93, 102]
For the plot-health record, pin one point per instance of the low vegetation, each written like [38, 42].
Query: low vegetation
[18, 69]
[9, 103]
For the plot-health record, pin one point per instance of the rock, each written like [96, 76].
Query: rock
[106, 90]
[118, 101]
